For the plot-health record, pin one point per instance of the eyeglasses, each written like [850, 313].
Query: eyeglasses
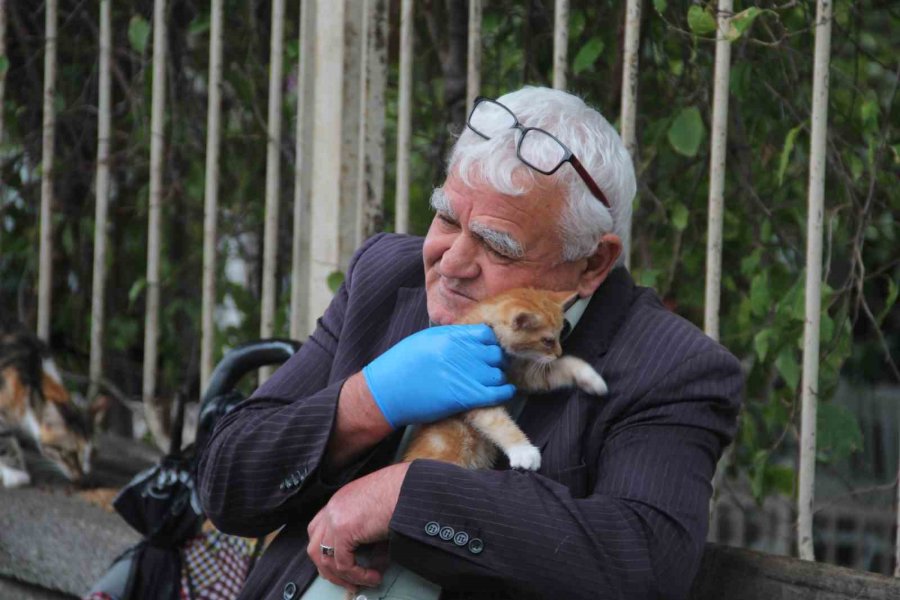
[537, 148]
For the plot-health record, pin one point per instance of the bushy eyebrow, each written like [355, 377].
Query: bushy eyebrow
[499, 240]
[440, 203]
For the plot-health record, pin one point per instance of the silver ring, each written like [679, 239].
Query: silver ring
[327, 550]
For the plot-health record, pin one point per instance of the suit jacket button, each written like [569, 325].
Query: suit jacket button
[461, 538]
[290, 590]
[433, 528]
[476, 546]
[447, 533]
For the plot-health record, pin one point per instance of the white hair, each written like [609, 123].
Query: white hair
[591, 139]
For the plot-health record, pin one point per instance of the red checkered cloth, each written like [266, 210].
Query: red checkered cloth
[215, 566]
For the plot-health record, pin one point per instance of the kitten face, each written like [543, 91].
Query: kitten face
[64, 432]
[527, 322]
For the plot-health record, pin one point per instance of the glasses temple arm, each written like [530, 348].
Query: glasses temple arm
[589, 181]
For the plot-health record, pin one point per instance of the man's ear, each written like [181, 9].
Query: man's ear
[599, 264]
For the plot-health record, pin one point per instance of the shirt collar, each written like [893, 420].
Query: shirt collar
[573, 315]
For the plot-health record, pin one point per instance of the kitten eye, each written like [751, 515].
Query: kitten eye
[548, 342]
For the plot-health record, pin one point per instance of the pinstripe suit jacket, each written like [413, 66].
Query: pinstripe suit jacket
[617, 510]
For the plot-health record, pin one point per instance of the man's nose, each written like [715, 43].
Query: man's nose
[459, 261]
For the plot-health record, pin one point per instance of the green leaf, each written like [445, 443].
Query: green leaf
[826, 327]
[779, 478]
[837, 432]
[761, 343]
[868, 113]
[760, 298]
[700, 21]
[199, 25]
[687, 131]
[136, 288]
[786, 363]
[856, 166]
[750, 262]
[742, 21]
[576, 24]
[335, 279]
[889, 301]
[757, 474]
[648, 277]
[4, 65]
[679, 216]
[660, 6]
[138, 33]
[786, 152]
[588, 55]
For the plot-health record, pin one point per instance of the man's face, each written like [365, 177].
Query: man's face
[484, 242]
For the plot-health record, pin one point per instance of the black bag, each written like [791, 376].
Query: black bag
[161, 502]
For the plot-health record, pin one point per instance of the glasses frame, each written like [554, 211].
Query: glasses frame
[523, 131]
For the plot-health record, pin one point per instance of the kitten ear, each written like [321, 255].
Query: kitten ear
[566, 299]
[525, 320]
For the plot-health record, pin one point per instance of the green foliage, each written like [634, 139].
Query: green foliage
[588, 55]
[837, 432]
[335, 279]
[687, 131]
[138, 33]
[700, 20]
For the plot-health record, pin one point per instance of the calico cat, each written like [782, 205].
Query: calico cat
[528, 324]
[36, 409]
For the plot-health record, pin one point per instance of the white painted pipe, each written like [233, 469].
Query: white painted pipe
[45, 274]
[104, 120]
[630, 62]
[810, 382]
[273, 176]
[473, 61]
[718, 141]
[157, 133]
[560, 43]
[303, 151]
[326, 156]
[404, 120]
[211, 191]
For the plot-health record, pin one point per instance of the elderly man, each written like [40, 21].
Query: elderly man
[538, 193]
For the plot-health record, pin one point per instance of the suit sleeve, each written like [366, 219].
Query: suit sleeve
[261, 465]
[639, 534]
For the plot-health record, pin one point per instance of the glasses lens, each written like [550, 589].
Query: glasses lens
[541, 150]
[490, 119]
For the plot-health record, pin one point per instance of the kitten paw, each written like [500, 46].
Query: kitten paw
[591, 381]
[524, 456]
[13, 478]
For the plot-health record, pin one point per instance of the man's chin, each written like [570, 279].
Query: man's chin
[440, 314]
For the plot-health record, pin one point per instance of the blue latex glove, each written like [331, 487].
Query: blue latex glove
[438, 372]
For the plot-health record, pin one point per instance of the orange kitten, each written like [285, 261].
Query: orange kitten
[528, 324]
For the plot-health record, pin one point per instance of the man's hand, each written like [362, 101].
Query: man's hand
[438, 372]
[359, 513]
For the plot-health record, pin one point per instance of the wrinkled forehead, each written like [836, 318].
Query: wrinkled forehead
[524, 188]
[531, 218]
